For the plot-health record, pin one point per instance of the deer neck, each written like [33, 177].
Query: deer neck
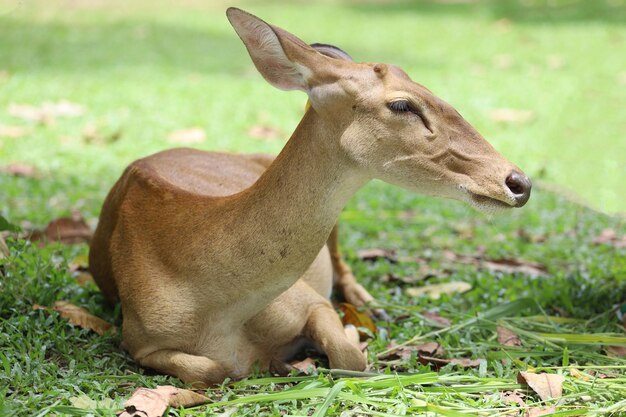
[286, 216]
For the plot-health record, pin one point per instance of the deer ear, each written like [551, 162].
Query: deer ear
[277, 54]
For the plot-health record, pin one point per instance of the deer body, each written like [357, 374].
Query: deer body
[219, 260]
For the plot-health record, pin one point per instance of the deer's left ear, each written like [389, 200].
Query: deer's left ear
[283, 59]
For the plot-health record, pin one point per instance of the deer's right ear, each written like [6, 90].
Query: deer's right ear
[277, 54]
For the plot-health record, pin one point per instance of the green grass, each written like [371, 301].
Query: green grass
[148, 70]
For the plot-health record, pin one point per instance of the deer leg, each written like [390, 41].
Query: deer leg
[345, 281]
[324, 328]
[199, 371]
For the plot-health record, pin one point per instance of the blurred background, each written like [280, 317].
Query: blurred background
[87, 86]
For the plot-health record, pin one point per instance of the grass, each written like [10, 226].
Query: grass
[146, 71]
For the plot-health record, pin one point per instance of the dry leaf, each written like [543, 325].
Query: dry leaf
[507, 338]
[306, 366]
[440, 362]
[512, 116]
[436, 290]
[84, 278]
[547, 386]
[536, 411]
[67, 230]
[504, 265]
[616, 351]
[80, 317]
[530, 238]
[47, 112]
[79, 263]
[20, 170]
[376, 253]
[431, 315]
[513, 397]
[187, 136]
[13, 132]
[610, 237]
[4, 249]
[405, 352]
[265, 132]
[153, 402]
[351, 315]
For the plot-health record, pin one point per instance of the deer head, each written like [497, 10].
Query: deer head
[392, 128]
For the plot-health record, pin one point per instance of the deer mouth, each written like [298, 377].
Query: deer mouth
[485, 203]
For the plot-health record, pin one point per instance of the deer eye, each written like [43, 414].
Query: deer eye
[400, 106]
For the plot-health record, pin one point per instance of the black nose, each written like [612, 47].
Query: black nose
[520, 186]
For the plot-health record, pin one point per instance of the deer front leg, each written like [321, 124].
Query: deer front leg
[199, 371]
[340, 345]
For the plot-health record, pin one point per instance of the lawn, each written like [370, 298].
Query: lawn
[140, 71]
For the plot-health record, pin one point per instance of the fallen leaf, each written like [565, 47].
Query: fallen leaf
[507, 337]
[67, 230]
[4, 249]
[99, 135]
[504, 265]
[530, 238]
[376, 253]
[187, 136]
[610, 237]
[547, 386]
[265, 132]
[351, 315]
[84, 278]
[512, 116]
[306, 366]
[153, 402]
[536, 411]
[431, 315]
[84, 402]
[513, 397]
[12, 132]
[20, 170]
[436, 290]
[440, 362]
[616, 351]
[79, 263]
[80, 317]
[406, 352]
[47, 112]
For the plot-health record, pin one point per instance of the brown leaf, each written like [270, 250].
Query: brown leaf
[616, 351]
[84, 278]
[405, 352]
[531, 238]
[153, 402]
[20, 170]
[505, 265]
[47, 112]
[440, 362]
[376, 253]
[431, 315]
[351, 315]
[306, 366]
[187, 136]
[67, 230]
[13, 132]
[507, 338]
[265, 132]
[512, 116]
[4, 249]
[513, 397]
[436, 290]
[547, 386]
[536, 411]
[513, 266]
[80, 317]
[610, 237]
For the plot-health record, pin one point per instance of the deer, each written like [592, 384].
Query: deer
[224, 263]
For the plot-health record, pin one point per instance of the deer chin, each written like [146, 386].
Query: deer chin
[485, 203]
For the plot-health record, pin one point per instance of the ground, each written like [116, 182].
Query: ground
[138, 72]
